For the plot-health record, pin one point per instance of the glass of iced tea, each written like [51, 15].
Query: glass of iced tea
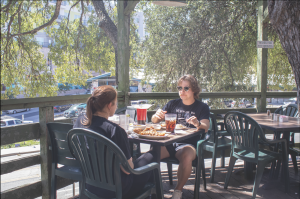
[170, 119]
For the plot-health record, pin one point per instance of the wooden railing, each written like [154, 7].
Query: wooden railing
[39, 130]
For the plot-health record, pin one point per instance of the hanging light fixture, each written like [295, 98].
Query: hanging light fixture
[170, 3]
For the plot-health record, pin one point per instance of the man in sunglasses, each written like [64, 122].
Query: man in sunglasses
[191, 113]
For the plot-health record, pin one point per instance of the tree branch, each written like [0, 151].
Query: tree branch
[130, 6]
[54, 17]
[106, 23]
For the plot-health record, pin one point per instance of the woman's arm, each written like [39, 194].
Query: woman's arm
[158, 116]
[131, 165]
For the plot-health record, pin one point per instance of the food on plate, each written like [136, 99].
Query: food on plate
[180, 126]
[152, 132]
[137, 130]
[163, 125]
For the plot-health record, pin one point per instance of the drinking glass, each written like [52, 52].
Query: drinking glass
[141, 115]
[124, 121]
[170, 119]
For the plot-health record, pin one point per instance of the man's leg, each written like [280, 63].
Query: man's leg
[185, 156]
[164, 153]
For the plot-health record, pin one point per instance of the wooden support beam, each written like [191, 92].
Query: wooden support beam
[46, 115]
[130, 6]
[19, 133]
[262, 57]
[20, 163]
[266, 16]
[123, 52]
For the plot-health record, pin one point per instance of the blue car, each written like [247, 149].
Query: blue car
[74, 110]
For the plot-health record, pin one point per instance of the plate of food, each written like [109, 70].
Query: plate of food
[140, 126]
[163, 125]
[151, 133]
[180, 127]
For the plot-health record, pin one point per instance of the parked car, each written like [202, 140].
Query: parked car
[227, 102]
[292, 100]
[13, 111]
[61, 108]
[10, 121]
[243, 103]
[74, 110]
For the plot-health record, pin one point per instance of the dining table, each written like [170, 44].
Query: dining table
[169, 139]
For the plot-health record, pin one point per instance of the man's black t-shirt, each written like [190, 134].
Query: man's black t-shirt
[198, 109]
[118, 135]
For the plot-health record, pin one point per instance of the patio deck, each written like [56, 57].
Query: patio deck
[239, 187]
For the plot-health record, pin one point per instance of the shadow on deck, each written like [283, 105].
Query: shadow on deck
[239, 186]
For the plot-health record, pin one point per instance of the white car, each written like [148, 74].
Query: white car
[13, 111]
[12, 122]
[292, 100]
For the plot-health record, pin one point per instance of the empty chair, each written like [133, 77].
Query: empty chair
[217, 142]
[100, 159]
[245, 133]
[61, 155]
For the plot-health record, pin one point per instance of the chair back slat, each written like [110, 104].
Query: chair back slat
[93, 159]
[100, 159]
[85, 156]
[244, 131]
[213, 128]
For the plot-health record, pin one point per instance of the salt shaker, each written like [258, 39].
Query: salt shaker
[268, 112]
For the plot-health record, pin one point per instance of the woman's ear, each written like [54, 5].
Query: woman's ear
[109, 105]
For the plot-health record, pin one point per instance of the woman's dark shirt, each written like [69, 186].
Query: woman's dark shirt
[116, 134]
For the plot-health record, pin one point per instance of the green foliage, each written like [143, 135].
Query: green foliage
[22, 144]
[211, 40]
[77, 48]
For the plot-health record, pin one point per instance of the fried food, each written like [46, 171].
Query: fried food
[152, 132]
[137, 130]
[163, 125]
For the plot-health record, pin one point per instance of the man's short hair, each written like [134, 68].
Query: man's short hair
[193, 84]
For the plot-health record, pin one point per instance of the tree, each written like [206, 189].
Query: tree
[285, 19]
[77, 49]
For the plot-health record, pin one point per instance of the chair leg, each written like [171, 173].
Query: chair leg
[295, 163]
[158, 184]
[203, 174]
[213, 165]
[258, 176]
[53, 185]
[230, 168]
[197, 181]
[170, 172]
[222, 158]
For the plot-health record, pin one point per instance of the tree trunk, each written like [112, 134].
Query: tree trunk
[285, 19]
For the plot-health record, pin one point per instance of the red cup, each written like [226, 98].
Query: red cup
[141, 115]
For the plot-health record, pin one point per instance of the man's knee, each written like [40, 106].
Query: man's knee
[186, 154]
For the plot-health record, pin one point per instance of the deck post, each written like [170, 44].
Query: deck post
[123, 52]
[262, 57]
[46, 114]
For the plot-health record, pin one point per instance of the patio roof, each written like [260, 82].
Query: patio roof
[105, 75]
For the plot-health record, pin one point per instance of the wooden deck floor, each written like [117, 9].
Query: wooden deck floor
[239, 187]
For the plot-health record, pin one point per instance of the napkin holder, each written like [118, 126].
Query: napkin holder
[283, 118]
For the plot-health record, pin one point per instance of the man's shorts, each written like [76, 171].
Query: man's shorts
[173, 148]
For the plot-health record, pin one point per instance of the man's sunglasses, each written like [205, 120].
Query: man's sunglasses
[186, 88]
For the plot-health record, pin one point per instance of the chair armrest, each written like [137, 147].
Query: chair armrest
[144, 169]
[201, 142]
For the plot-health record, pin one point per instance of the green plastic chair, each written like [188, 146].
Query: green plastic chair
[101, 161]
[245, 133]
[62, 155]
[292, 111]
[217, 142]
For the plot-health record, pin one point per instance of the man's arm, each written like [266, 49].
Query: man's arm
[202, 124]
[158, 116]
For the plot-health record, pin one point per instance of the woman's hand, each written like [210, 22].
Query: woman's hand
[158, 116]
[193, 120]
[131, 165]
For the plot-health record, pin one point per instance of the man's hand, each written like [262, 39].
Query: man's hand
[193, 120]
[158, 116]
